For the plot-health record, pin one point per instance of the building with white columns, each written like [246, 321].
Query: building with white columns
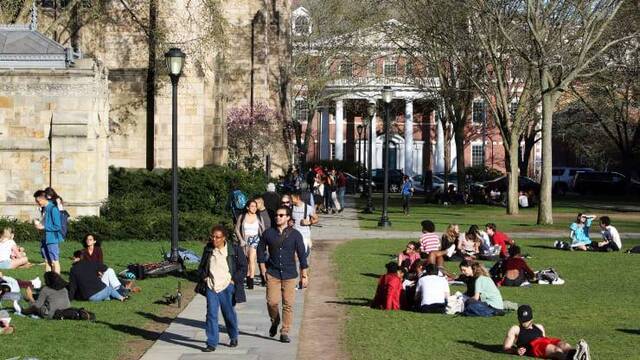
[416, 138]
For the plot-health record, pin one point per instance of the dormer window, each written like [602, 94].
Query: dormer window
[301, 22]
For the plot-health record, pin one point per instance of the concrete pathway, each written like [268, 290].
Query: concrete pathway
[185, 338]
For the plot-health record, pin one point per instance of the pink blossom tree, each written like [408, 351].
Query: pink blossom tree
[249, 132]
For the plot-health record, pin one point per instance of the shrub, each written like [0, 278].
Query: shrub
[482, 173]
[23, 230]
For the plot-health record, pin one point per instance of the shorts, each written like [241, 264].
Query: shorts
[539, 346]
[6, 264]
[50, 252]
[253, 241]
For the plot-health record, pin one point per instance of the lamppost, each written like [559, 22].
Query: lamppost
[175, 61]
[371, 110]
[387, 97]
[359, 130]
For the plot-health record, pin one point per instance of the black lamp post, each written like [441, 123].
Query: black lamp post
[387, 97]
[359, 129]
[175, 61]
[371, 110]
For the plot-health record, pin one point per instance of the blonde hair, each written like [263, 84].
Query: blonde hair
[451, 232]
[479, 269]
[7, 233]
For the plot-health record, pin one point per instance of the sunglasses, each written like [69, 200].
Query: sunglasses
[281, 215]
[286, 202]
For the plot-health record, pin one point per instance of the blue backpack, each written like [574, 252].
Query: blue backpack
[239, 199]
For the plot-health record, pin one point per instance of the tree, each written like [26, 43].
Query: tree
[249, 133]
[560, 39]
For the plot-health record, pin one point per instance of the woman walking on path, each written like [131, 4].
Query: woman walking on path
[248, 230]
[222, 269]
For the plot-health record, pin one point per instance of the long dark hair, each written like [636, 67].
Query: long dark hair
[51, 194]
[84, 240]
[54, 280]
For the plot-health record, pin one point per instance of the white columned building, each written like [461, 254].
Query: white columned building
[339, 130]
[408, 137]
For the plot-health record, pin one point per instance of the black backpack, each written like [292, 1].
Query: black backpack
[74, 314]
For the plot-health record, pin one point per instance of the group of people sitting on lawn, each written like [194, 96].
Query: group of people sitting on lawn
[89, 278]
[417, 280]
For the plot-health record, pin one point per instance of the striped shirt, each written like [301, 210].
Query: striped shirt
[429, 242]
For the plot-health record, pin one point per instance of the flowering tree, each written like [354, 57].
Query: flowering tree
[249, 132]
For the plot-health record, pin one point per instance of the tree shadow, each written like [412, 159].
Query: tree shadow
[372, 275]
[351, 302]
[493, 348]
[630, 331]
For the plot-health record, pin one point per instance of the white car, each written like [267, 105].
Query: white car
[562, 178]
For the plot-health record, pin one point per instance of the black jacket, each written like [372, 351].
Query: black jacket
[237, 261]
[84, 281]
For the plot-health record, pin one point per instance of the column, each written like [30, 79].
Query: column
[439, 153]
[372, 142]
[339, 130]
[325, 143]
[408, 137]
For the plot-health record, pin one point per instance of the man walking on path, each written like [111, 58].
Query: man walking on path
[282, 244]
[52, 226]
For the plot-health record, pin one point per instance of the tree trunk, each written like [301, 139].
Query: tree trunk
[151, 83]
[447, 156]
[545, 209]
[512, 176]
[459, 136]
[529, 143]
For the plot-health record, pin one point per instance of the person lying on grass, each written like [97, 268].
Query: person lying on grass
[11, 255]
[389, 289]
[515, 270]
[530, 339]
[85, 283]
[14, 285]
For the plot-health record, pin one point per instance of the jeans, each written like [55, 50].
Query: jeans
[106, 294]
[341, 191]
[406, 198]
[223, 301]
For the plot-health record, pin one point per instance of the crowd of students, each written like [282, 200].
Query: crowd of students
[89, 278]
[418, 281]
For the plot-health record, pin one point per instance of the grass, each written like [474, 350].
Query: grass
[117, 323]
[598, 302]
[564, 213]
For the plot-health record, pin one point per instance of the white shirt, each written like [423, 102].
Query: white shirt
[297, 214]
[433, 289]
[523, 200]
[5, 249]
[219, 275]
[613, 235]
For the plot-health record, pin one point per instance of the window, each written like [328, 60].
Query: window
[390, 68]
[513, 108]
[301, 25]
[477, 154]
[301, 111]
[333, 151]
[408, 69]
[479, 112]
[346, 69]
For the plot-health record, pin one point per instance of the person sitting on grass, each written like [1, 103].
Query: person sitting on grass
[447, 249]
[579, 234]
[486, 298]
[610, 236]
[11, 256]
[10, 290]
[515, 271]
[530, 339]
[92, 252]
[469, 244]
[92, 249]
[53, 297]
[389, 289]
[498, 238]
[409, 258]
[85, 283]
[432, 291]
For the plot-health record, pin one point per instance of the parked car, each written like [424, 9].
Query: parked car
[352, 184]
[562, 178]
[596, 182]
[495, 191]
[395, 179]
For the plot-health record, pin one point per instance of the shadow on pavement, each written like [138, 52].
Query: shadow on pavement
[154, 335]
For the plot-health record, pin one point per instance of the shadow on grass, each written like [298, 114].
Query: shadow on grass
[387, 255]
[154, 335]
[630, 331]
[493, 348]
[352, 302]
[548, 247]
[372, 275]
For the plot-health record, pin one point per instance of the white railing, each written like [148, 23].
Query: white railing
[381, 81]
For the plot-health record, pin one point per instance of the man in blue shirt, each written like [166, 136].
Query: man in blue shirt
[282, 244]
[406, 192]
[52, 226]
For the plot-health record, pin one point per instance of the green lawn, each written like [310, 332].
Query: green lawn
[565, 212]
[116, 322]
[599, 302]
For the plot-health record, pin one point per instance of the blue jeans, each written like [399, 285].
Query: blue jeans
[223, 301]
[106, 294]
[341, 191]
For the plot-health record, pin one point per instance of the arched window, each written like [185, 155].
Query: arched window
[301, 25]
[346, 68]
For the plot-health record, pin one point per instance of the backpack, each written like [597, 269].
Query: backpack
[549, 274]
[634, 250]
[74, 314]
[239, 199]
[497, 271]
[64, 223]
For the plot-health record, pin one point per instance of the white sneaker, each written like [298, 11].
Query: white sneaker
[555, 244]
[558, 281]
[451, 250]
[525, 284]
[37, 284]
[543, 282]
[585, 350]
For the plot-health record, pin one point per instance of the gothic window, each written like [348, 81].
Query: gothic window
[302, 25]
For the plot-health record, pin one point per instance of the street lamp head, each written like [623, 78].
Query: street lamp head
[175, 61]
[387, 94]
[359, 129]
[371, 109]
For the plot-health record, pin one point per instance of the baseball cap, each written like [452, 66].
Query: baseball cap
[525, 313]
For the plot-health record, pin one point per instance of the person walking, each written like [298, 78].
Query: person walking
[282, 244]
[249, 228]
[222, 269]
[52, 227]
[303, 216]
[342, 189]
[406, 192]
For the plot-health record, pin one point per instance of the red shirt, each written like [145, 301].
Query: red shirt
[96, 256]
[518, 263]
[388, 292]
[501, 239]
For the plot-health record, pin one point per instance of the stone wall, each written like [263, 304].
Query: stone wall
[73, 104]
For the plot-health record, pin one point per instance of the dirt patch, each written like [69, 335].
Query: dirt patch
[323, 320]
[134, 349]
